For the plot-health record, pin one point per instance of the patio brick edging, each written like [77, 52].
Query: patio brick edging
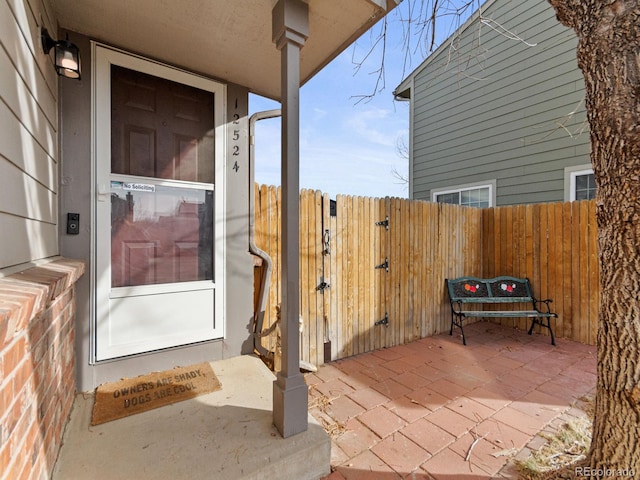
[37, 367]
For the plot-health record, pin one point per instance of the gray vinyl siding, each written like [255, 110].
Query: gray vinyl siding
[492, 108]
[28, 136]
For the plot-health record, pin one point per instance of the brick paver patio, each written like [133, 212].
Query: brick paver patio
[435, 409]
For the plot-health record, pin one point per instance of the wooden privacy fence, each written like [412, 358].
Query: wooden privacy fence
[372, 270]
[555, 246]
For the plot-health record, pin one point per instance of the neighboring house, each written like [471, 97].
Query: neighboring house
[497, 114]
[140, 170]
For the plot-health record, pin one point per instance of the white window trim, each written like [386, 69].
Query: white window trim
[570, 174]
[490, 184]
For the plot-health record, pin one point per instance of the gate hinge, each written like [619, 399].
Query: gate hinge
[384, 265]
[384, 223]
[384, 321]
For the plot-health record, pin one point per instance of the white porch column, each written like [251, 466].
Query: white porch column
[290, 401]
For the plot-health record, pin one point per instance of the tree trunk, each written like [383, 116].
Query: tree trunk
[609, 56]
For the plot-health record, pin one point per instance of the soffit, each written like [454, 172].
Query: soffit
[230, 40]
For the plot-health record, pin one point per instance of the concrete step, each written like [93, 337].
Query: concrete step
[228, 434]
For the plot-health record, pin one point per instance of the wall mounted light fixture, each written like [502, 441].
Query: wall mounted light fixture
[66, 56]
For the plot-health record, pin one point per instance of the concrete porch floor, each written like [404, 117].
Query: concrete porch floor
[226, 434]
[414, 411]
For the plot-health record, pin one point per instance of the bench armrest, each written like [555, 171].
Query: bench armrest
[547, 302]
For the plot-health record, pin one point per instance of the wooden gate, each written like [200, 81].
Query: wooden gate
[372, 270]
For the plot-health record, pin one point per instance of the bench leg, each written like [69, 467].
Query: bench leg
[548, 326]
[459, 325]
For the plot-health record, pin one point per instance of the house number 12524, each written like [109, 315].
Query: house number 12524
[235, 138]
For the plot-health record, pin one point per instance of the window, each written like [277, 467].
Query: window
[585, 186]
[580, 184]
[470, 196]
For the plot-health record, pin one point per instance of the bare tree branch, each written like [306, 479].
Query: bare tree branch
[402, 149]
[380, 72]
[420, 36]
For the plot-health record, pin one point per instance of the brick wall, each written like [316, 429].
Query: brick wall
[37, 379]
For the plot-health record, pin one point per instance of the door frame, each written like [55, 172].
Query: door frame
[103, 57]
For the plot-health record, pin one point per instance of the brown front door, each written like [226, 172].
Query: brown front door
[162, 130]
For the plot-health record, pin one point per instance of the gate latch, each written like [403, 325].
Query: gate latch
[326, 242]
[322, 286]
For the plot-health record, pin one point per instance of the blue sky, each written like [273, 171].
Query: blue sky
[346, 147]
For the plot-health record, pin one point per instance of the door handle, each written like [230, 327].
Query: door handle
[104, 192]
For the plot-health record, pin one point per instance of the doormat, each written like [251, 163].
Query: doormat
[134, 395]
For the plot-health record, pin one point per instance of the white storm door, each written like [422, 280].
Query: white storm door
[159, 255]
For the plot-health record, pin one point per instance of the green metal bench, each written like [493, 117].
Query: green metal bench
[500, 291]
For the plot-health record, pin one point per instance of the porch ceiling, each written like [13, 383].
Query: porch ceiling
[225, 39]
